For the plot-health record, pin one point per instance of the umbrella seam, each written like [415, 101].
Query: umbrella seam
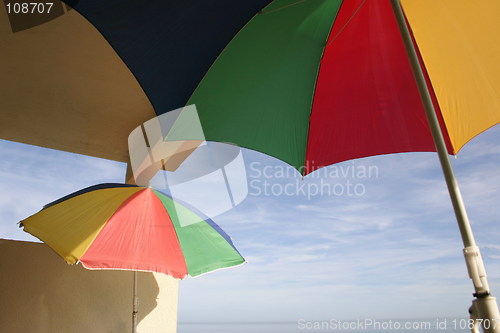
[155, 192]
[303, 167]
[280, 8]
[347, 22]
[221, 52]
[119, 56]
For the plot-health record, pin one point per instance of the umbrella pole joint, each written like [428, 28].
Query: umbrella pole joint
[476, 270]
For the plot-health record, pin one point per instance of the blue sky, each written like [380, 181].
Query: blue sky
[390, 250]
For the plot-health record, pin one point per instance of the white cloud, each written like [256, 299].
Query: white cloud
[32, 177]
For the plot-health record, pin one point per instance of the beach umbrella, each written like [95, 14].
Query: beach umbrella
[311, 82]
[128, 227]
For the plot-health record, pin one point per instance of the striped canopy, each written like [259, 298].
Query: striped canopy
[311, 82]
[128, 227]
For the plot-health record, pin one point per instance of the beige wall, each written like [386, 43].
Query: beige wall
[40, 293]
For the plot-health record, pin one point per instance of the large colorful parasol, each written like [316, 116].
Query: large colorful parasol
[118, 226]
[310, 82]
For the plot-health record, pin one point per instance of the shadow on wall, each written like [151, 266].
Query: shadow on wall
[40, 292]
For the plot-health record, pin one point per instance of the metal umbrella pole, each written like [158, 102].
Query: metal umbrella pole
[484, 306]
[135, 304]
[129, 179]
